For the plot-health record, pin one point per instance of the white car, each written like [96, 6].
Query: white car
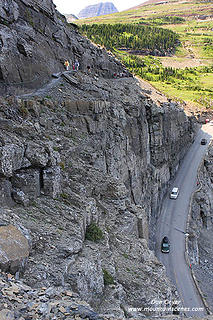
[174, 194]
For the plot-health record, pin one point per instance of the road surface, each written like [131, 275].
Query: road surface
[172, 223]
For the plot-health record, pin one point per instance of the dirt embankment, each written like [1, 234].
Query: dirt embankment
[181, 63]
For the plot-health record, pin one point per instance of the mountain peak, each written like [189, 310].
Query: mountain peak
[99, 9]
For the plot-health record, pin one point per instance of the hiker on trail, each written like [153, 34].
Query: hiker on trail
[67, 64]
[88, 69]
[76, 65]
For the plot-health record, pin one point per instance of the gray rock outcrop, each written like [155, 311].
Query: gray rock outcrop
[71, 17]
[27, 170]
[106, 159]
[35, 41]
[99, 9]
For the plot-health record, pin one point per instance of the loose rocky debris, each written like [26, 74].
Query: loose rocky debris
[19, 301]
[22, 302]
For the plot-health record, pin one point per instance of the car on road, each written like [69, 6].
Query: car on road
[165, 245]
[203, 141]
[174, 193]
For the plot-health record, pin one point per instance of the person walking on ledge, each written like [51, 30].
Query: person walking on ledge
[76, 65]
[66, 64]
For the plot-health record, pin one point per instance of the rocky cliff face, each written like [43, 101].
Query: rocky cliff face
[99, 9]
[84, 164]
[69, 163]
[35, 41]
[201, 229]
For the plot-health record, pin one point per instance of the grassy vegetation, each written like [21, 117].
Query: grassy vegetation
[93, 233]
[188, 84]
[108, 278]
[196, 38]
[182, 76]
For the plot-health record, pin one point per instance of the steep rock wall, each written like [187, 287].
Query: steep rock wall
[87, 149]
[35, 41]
[139, 143]
[66, 164]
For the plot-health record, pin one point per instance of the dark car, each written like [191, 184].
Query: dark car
[203, 141]
[165, 245]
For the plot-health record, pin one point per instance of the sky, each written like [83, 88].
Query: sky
[75, 6]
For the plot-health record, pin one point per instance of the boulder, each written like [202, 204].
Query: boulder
[14, 249]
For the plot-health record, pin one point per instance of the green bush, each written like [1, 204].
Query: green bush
[93, 233]
[108, 278]
[62, 165]
[64, 196]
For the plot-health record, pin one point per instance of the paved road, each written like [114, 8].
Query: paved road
[172, 223]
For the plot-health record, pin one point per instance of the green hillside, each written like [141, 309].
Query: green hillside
[183, 71]
[135, 38]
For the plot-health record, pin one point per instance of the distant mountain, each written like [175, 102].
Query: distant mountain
[99, 9]
[70, 17]
[157, 9]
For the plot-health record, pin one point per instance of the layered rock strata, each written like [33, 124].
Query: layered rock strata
[105, 160]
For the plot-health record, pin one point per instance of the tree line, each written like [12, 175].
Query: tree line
[131, 37]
